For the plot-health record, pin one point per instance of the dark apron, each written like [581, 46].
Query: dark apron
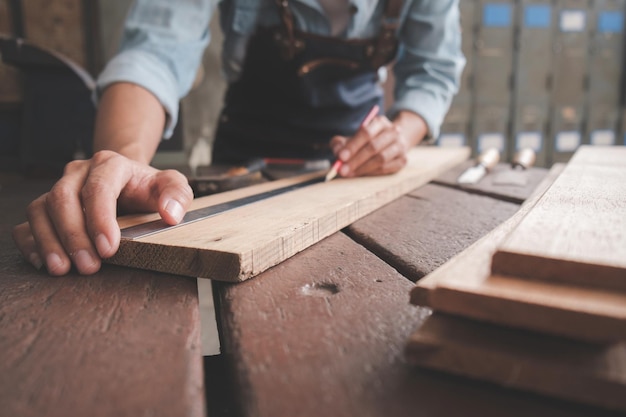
[297, 90]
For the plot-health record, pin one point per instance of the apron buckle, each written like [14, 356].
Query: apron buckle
[289, 46]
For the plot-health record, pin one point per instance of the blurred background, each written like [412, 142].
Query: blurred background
[541, 74]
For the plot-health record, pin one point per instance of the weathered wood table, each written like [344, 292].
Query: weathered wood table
[122, 342]
[321, 334]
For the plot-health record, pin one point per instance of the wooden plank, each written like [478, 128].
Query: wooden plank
[575, 371]
[295, 332]
[242, 243]
[463, 286]
[576, 233]
[324, 333]
[397, 232]
[119, 343]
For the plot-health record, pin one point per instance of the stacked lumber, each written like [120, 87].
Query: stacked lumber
[539, 304]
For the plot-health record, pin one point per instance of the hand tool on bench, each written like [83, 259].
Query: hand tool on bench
[218, 178]
[517, 174]
[484, 163]
[277, 168]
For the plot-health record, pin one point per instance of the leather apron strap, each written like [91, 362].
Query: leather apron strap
[296, 90]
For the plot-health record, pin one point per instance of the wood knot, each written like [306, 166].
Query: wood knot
[322, 289]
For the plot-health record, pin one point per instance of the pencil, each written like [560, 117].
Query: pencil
[334, 170]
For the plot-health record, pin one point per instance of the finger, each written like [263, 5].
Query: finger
[25, 242]
[373, 153]
[337, 143]
[167, 192]
[362, 137]
[174, 195]
[390, 160]
[65, 208]
[48, 245]
[117, 181]
[110, 173]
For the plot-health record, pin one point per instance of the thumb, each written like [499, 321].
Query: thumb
[174, 196]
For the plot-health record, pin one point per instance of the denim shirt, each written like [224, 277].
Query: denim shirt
[164, 40]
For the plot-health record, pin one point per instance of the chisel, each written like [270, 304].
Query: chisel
[516, 175]
[484, 163]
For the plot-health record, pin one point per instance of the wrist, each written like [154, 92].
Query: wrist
[413, 127]
[130, 121]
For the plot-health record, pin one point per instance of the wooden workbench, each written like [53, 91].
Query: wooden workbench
[122, 342]
[323, 333]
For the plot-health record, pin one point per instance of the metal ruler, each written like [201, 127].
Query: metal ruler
[156, 226]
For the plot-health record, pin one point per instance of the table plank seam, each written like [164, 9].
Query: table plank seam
[474, 191]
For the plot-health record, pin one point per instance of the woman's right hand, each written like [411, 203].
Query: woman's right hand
[75, 222]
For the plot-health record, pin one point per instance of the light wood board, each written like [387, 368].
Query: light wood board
[576, 233]
[464, 286]
[576, 371]
[241, 243]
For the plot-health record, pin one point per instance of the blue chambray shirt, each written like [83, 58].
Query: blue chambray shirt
[164, 40]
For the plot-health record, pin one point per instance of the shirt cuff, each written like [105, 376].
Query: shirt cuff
[146, 70]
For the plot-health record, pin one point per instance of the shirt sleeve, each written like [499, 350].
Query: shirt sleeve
[161, 50]
[430, 61]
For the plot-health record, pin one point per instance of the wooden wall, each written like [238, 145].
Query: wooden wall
[10, 91]
[69, 27]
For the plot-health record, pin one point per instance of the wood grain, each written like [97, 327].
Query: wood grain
[57, 25]
[6, 26]
[399, 231]
[242, 243]
[576, 233]
[575, 371]
[326, 336]
[324, 332]
[121, 342]
[464, 286]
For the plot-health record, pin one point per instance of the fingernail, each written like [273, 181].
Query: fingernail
[103, 245]
[35, 260]
[83, 259]
[54, 262]
[175, 210]
[344, 155]
[345, 170]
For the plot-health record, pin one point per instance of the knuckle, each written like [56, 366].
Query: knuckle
[72, 167]
[35, 206]
[102, 157]
[93, 188]
[381, 158]
[179, 181]
[374, 146]
[174, 175]
[58, 195]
